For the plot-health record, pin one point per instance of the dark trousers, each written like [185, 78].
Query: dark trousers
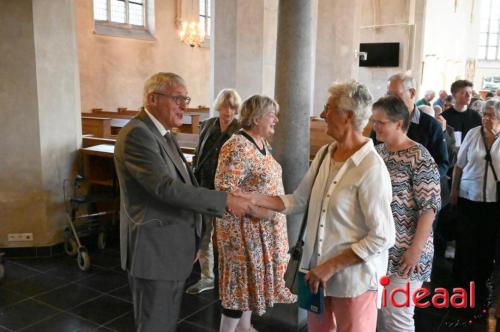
[157, 303]
[475, 249]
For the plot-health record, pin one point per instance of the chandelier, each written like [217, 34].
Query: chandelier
[192, 33]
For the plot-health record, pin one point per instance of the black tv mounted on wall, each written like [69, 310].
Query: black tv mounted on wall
[379, 55]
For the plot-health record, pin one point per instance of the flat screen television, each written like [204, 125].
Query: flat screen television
[379, 55]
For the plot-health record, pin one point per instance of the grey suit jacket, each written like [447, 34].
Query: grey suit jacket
[159, 211]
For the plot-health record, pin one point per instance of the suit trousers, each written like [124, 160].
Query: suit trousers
[157, 303]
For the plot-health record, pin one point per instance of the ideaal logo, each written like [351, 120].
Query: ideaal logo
[440, 298]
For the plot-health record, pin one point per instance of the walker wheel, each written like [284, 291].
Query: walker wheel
[83, 259]
[70, 247]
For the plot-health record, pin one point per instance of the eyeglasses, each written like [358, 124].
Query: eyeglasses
[380, 123]
[177, 99]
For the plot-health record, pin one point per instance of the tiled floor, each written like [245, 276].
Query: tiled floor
[54, 295]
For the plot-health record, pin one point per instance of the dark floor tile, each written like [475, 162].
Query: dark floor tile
[15, 272]
[123, 323]
[8, 297]
[193, 303]
[105, 281]
[70, 271]
[192, 327]
[123, 293]
[4, 329]
[63, 322]
[209, 316]
[102, 309]
[103, 260]
[43, 264]
[25, 313]
[36, 284]
[68, 296]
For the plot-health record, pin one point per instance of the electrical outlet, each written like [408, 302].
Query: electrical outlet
[17, 237]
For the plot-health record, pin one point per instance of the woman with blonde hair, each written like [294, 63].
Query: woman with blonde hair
[252, 250]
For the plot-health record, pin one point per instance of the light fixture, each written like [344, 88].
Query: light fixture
[190, 32]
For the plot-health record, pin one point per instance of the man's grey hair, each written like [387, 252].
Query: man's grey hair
[479, 105]
[353, 97]
[408, 80]
[430, 93]
[161, 81]
[227, 97]
[256, 107]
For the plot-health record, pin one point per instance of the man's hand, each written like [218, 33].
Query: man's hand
[237, 205]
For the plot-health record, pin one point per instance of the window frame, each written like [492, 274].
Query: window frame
[207, 18]
[488, 44]
[117, 29]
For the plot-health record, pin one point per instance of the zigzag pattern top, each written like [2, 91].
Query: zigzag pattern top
[415, 189]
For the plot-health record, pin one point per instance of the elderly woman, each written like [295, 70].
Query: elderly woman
[416, 200]
[214, 133]
[252, 251]
[474, 191]
[349, 225]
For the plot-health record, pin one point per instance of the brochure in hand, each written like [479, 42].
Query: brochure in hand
[307, 300]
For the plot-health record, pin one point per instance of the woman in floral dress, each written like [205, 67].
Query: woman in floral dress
[416, 200]
[252, 251]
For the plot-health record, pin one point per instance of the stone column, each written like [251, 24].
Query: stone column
[337, 39]
[293, 91]
[243, 46]
[41, 131]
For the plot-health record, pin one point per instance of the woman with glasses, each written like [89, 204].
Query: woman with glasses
[347, 194]
[214, 133]
[474, 192]
[415, 202]
[252, 250]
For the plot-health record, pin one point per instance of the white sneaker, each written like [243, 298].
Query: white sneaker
[251, 329]
[201, 286]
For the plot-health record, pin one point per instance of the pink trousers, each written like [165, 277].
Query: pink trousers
[351, 314]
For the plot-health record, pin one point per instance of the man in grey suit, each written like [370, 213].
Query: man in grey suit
[161, 205]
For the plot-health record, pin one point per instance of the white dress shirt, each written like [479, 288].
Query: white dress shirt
[354, 213]
[161, 128]
[471, 159]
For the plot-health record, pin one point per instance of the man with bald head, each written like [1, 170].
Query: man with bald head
[161, 205]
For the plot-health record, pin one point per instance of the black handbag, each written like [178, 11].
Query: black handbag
[291, 276]
[490, 163]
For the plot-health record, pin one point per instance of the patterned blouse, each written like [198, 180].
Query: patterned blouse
[415, 189]
[253, 253]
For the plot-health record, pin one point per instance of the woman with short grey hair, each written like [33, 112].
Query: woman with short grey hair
[347, 195]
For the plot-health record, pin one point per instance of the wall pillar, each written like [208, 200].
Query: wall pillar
[41, 131]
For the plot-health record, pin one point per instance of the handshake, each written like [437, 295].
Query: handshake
[256, 205]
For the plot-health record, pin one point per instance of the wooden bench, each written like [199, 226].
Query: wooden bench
[96, 126]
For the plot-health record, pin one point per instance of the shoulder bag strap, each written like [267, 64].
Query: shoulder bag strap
[304, 219]
[488, 162]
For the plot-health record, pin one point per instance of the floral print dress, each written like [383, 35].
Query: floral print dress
[253, 253]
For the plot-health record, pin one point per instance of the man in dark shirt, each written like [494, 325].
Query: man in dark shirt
[460, 117]
[423, 129]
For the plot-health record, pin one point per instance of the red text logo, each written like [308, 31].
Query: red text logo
[423, 297]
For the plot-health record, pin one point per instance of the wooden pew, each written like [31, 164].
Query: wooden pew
[317, 135]
[192, 118]
[99, 127]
